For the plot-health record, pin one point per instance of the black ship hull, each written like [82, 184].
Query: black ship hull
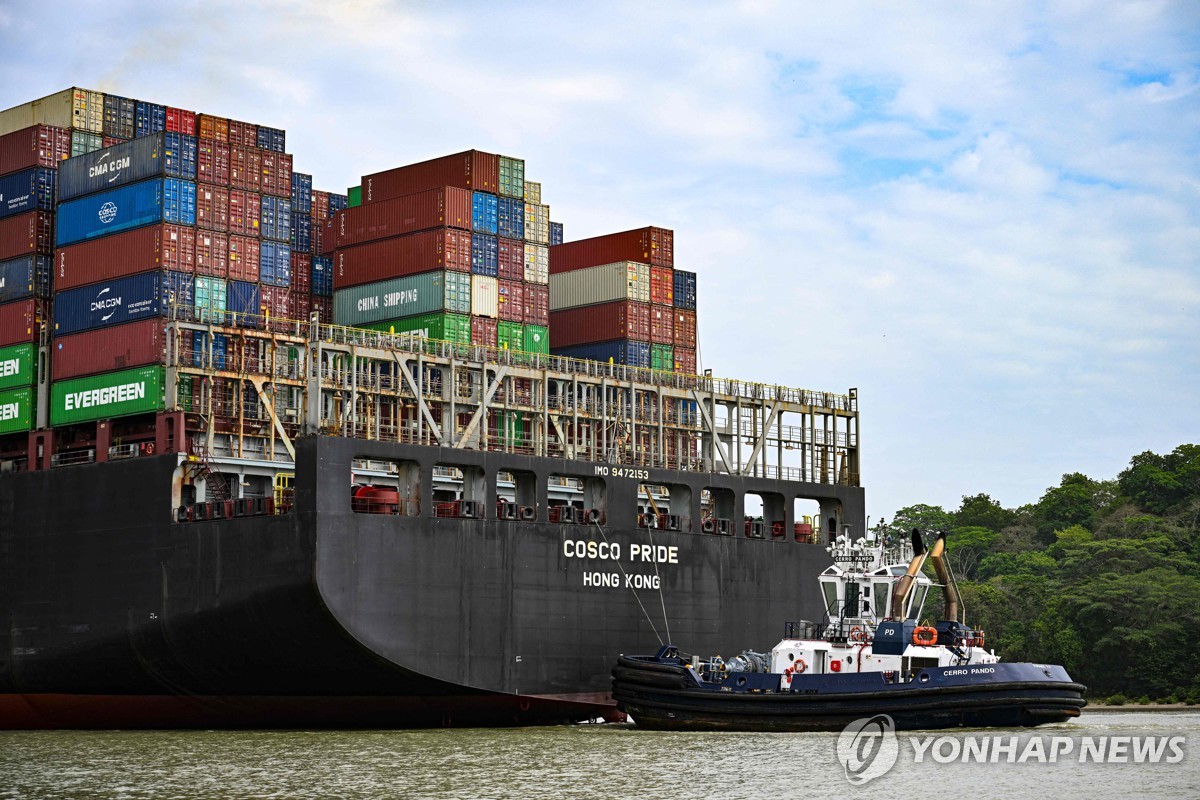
[118, 616]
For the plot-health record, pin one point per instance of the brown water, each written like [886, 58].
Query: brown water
[584, 761]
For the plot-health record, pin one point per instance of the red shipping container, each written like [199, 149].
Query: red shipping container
[445, 207]
[301, 304]
[210, 127]
[181, 121]
[685, 360]
[510, 260]
[212, 162]
[653, 246]
[537, 304]
[212, 207]
[484, 331]
[470, 170]
[31, 233]
[276, 174]
[212, 253]
[109, 141]
[511, 301]
[244, 210]
[22, 321]
[37, 146]
[603, 322]
[244, 257]
[155, 247]
[662, 286]
[685, 328]
[398, 256]
[320, 207]
[245, 168]
[243, 134]
[321, 238]
[662, 325]
[323, 306]
[301, 272]
[277, 302]
[134, 344]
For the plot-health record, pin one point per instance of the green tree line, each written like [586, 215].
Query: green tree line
[1101, 576]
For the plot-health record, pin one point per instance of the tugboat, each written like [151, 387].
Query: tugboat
[871, 655]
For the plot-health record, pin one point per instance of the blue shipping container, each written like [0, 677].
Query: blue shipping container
[26, 276]
[276, 219]
[620, 351]
[275, 264]
[132, 206]
[301, 193]
[243, 301]
[338, 202]
[27, 190]
[510, 217]
[685, 290]
[556, 233]
[485, 255]
[301, 232]
[322, 276]
[484, 211]
[202, 349]
[134, 297]
[163, 155]
[271, 139]
[149, 118]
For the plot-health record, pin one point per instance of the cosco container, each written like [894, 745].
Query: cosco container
[133, 344]
[28, 233]
[634, 354]
[78, 109]
[485, 296]
[119, 116]
[445, 207]
[470, 170]
[537, 263]
[121, 300]
[600, 323]
[510, 217]
[36, 146]
[149, 118]
[17, 410]
[556, 233]
[653, 246]
[27, 276]
[275, 264]
[485, 255]
[302, 191]
[211, 299]
[21, 321]
[447, 327]
[537, 223]
[484, 211]
[244, 303]
[404, 297]
[510, 260]
[510, 335]
[535, 339]
[322, 276]
[685, 290]
[607, 283]
[163, 155]
[17, 365]
[113, 394]
[427, 251]
[145, 203]
[510, 300]
[537, 304]
[276, 219]
[154, 247]
[512, 177]
[28, 190]
[662, 357]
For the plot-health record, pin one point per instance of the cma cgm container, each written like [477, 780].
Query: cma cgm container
[36, 146]
[28, 190]
[154, 247]
[145, 203]
[21, 321]
[27, 276]
[79, 109]
[28, 233]
[114, 394]
[403, 297]
[17, 410]
[634, 354]
[600, 323]
[17, 365]
[685, 290]
[447, 327]
[607, 283]
[653, 246]
[444, 207]
[163, 155]
[133, 344]
[470, 170]
[121, 300]
[400, 256]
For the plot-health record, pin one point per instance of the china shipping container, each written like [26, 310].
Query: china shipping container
[322, 276]
[444, 207]
[212, 207]
[685, 328]
[662, 325]
[244, 210]
[510, 300]
[394, 298]
[512, 177]
[245, 253]
[556, 233]
[22, 321]
[301, 273]
[154, 247]
[484, 213]
[35, 146]
[533, 192]
[510, 259]
[662, 286]
[243, 301]
[83, 143]
[245, 168]
[113, 394]
[28, 190]
[484, 296]
[606, 283]
[275, 219]
[445, 326]
[276, 177]
[121, 300]
[600, 323]
[537, 304]
[212, 162]
[273, 139]
[133, 344]
[483, 331]
[302, 194]
[510, 217]
[427, 251]
[17, 409]
[470, 170]
[623, 351]
[537, 223]
[149, 118]
[132, 206]
[485, 255]
[74, 108]
[653, 246]
[212, 253]
[537, 263]
[243, 134]
[685, 290]
[18, 365]
[275, 263]
[25, 276]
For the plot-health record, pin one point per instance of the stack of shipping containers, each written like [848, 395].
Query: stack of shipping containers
[312, 267]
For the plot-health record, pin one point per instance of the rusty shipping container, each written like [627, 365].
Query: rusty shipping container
[134, 344]
[473, 170]
[155, 247]
[653, 246]
[31, 233]
[600, 323]
[37, 146]
[444, 207]
[427, 251]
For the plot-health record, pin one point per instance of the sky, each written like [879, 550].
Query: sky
[985, 217]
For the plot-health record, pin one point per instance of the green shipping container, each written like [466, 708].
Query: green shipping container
[512, 177]
[662, 356]
[115, 394]
[510, 428]
[397, 298]
[510, 335]
[354, 196]
[447, 327]
[16, 365]
[16, 410]
[211, 298]
[536, 339]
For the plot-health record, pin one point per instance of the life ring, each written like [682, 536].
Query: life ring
[857, 634]
[149, 448]
[799, 666]
[925, 635]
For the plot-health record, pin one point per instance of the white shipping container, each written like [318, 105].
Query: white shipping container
[607, 283]
[537, 223]
[78, 109]
[537, 263]
[533, 192]
[485, 296]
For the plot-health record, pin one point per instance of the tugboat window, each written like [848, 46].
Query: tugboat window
[831, 598]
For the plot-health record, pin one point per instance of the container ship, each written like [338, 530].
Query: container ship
[277, 457]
